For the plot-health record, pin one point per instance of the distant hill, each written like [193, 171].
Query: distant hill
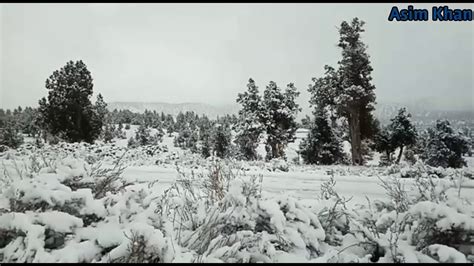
[175, 108]
[421, 112]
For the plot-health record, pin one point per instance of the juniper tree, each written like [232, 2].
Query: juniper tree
[321, 146]
[403, 132]
[143, 135]
[348, 90]
[205, 145]
[2, 118]
[383, 142]
[68, 111]
[249, 126]
[10, 135]
[108, 133]
[445, 147]
[221, 140]
[101, 109]
[279, 118]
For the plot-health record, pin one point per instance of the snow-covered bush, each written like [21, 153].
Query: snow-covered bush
[278, 164]
[55, 215]
[70, 203]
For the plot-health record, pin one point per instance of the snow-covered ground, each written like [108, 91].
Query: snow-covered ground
[151, 194]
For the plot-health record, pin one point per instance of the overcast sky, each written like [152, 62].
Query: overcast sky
[206, 52]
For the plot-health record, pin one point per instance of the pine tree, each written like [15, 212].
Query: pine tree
[221, 141]
[403, 132]
[249, 125]
[348, 90]
[2, 118]
[132, 143]
[10, 135]
[101, 109]
[445, 147]
[143, 136]
[68, 111]
[108, 133]
[205, 145]
[383, 142]
[321, 145]
[279, 118]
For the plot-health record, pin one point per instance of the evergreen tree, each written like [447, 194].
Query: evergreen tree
[3, 118]
[383, 142]
[403, 132]
[249, 126]
[108, 133]
[10, 135]
[348, 90]
[101, 109]
[132, 143]
[279, 118]
[445, 147]
[205, 143]
[221, 141]
[143, 136]
[68, 111]
[321, 145]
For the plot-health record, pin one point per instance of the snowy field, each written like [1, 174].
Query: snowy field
[301, 182]
[141, 204]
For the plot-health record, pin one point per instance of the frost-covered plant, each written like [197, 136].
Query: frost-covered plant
[105, 179]
[335, 217]
[397, 193]
[138, 251]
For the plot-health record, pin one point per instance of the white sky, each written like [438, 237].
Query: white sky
[206, 52]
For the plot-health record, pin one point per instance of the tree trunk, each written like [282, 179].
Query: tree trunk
[274, 150]
[354, 128]
[400, 154]
[79, 134]
[389, 160]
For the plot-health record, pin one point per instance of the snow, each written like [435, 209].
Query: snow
[57, 221]
[290, 200]
[447, 254]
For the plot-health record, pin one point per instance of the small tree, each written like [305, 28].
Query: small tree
[403, 132]
[10, 135]
[221, 141]
[321, 146]
[143, 136]
[249, 126]
[108, 133]
[68, 111]
[279, 117]
[445, 147]
[383, 143]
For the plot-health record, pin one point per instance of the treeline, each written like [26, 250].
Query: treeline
[342, 100]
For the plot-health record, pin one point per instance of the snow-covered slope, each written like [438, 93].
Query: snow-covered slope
[175, 108]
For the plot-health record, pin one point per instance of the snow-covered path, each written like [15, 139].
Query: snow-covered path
[302, 185]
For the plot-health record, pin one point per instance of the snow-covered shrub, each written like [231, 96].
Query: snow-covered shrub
[51, 211]
[445, 254]
[279, 164]
[409, 156]
[333, 216]
[10, 136]
[239, 225]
